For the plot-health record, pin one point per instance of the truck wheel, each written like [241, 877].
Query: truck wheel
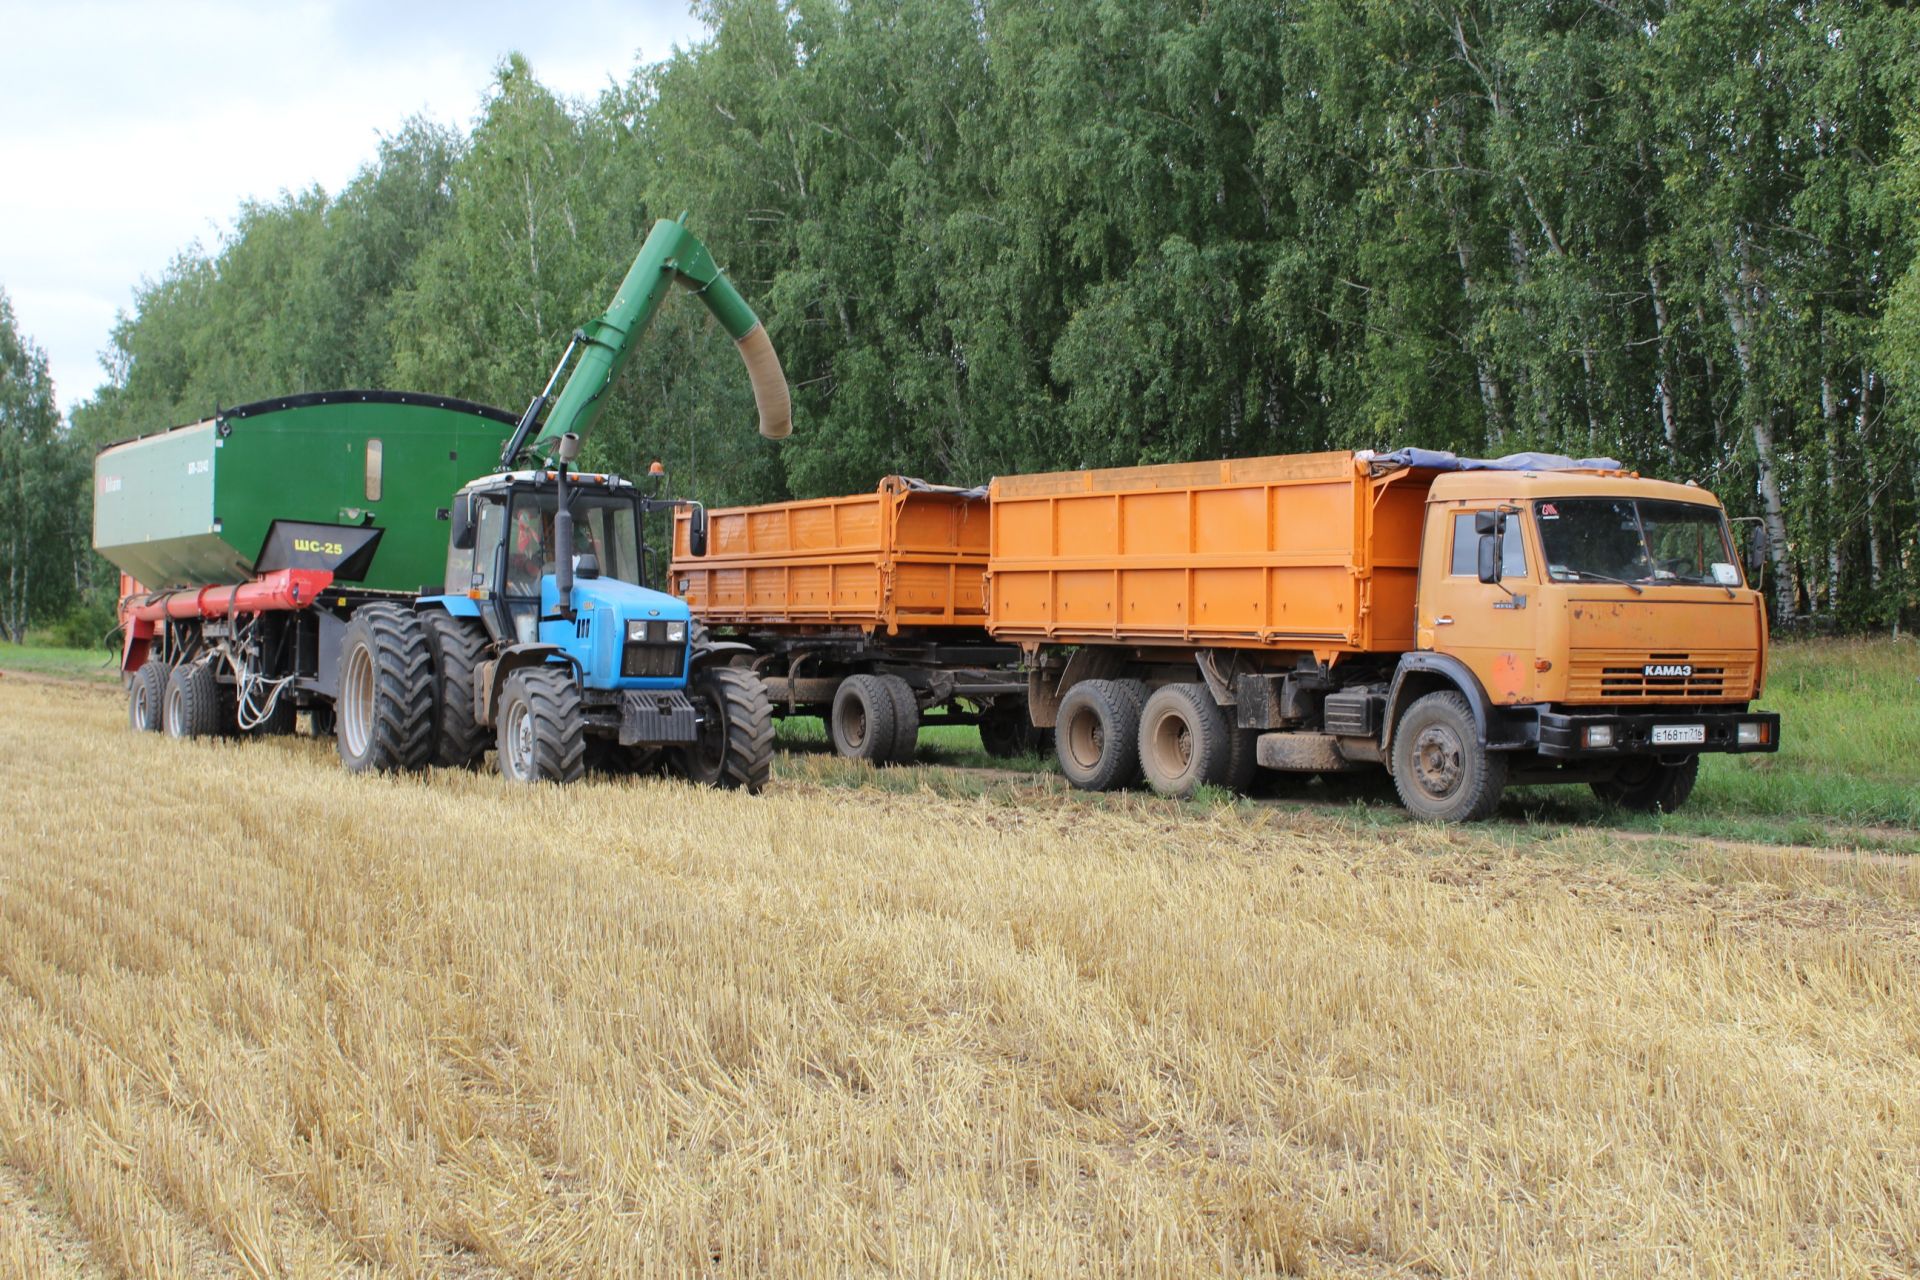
[1184, 740]
[543, 737]
[906, 720]
[1098, 732]
[383, 714]
[735, 748]
[192, 707]
[459, 741]
[1648, 786]
[1440, 769]
[147, 696]
[1243, 756]
[862, 723]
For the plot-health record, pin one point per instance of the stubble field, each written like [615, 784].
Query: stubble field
[258, 1017]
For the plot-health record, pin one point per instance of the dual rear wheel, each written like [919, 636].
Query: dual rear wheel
[875, 718]
[1114, 733]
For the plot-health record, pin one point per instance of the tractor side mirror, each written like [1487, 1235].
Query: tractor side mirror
[1491, 526]
[463, 522]
[697, 531]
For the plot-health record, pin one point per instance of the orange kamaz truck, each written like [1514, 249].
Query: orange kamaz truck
[1464, 624]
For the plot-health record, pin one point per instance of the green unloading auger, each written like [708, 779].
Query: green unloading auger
[671, 255]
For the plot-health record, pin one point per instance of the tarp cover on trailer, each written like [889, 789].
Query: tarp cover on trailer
[1442, 460]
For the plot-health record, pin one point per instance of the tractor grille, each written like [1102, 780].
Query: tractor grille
[655, 660]
[1635, 676]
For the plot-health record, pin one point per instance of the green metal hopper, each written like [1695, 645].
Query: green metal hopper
[194, 505]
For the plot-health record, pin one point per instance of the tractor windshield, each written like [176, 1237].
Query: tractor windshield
[1644, 542]
[603, 526]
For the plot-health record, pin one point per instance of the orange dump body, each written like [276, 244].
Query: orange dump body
[1301, 552]
[895, 559]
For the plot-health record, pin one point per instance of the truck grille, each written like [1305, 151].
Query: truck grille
[653, 660]
[1631, 676]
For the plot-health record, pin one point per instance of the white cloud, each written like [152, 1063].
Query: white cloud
[134, 129]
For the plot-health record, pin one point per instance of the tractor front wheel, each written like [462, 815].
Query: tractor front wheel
[543, 737]
[735, 747]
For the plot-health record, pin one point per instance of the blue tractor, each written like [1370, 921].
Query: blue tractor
[546, 643]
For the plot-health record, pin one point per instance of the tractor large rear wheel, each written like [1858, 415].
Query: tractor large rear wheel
[147, 695]
[735, 747]
[459, 741]
[383, 712]
[543, 736]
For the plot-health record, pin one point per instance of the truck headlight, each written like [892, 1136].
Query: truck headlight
[676, 633]
[1599, 735]
[1751, 733]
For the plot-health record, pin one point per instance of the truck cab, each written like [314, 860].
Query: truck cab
[1599, 624]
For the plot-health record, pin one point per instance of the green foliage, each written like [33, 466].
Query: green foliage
[42, 473]
[991, 237]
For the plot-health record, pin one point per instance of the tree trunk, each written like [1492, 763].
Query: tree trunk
[1664, 382]
[1740, 321]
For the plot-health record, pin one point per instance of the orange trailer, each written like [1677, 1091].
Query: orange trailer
[869, 610]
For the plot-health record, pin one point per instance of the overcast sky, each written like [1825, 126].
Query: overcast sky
[130, 130]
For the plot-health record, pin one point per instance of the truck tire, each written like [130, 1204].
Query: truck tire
[1648, 786]
[1243, 757]
[383, 713]
[1440, 769]
[735, 749]
[459, 741]
[1185, 743]
[192, 707]
[543, 736]
[1097, 735]
[147, 697]
[863, 718]
[906, 721]
[1004, 729]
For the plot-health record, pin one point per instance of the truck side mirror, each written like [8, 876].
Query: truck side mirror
[1757, 550]
[1491, 526]
[463, 522]
[697, 531]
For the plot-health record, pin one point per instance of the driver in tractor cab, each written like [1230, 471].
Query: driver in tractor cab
[528, 557]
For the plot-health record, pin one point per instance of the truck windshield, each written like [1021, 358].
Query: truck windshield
[1643, 541]
[603, 525]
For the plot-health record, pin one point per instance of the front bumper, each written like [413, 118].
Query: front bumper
[1563, 735]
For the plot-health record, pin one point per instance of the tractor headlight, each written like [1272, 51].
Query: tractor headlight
[676, 633]
[637, 630]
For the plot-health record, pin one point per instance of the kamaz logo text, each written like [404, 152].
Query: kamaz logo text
[1667, 669]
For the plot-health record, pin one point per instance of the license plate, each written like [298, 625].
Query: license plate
[1679, 735]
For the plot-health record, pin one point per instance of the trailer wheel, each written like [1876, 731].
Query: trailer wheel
[459, 741]
[543, 737]
[735, 747]
[1098, 732]
[383, 714]
[1648, 786]
[1006, 731]
[1184, 740]
[147, 696]
[192, 707]
[906, 720]
[1440, 769]
[863, 719]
